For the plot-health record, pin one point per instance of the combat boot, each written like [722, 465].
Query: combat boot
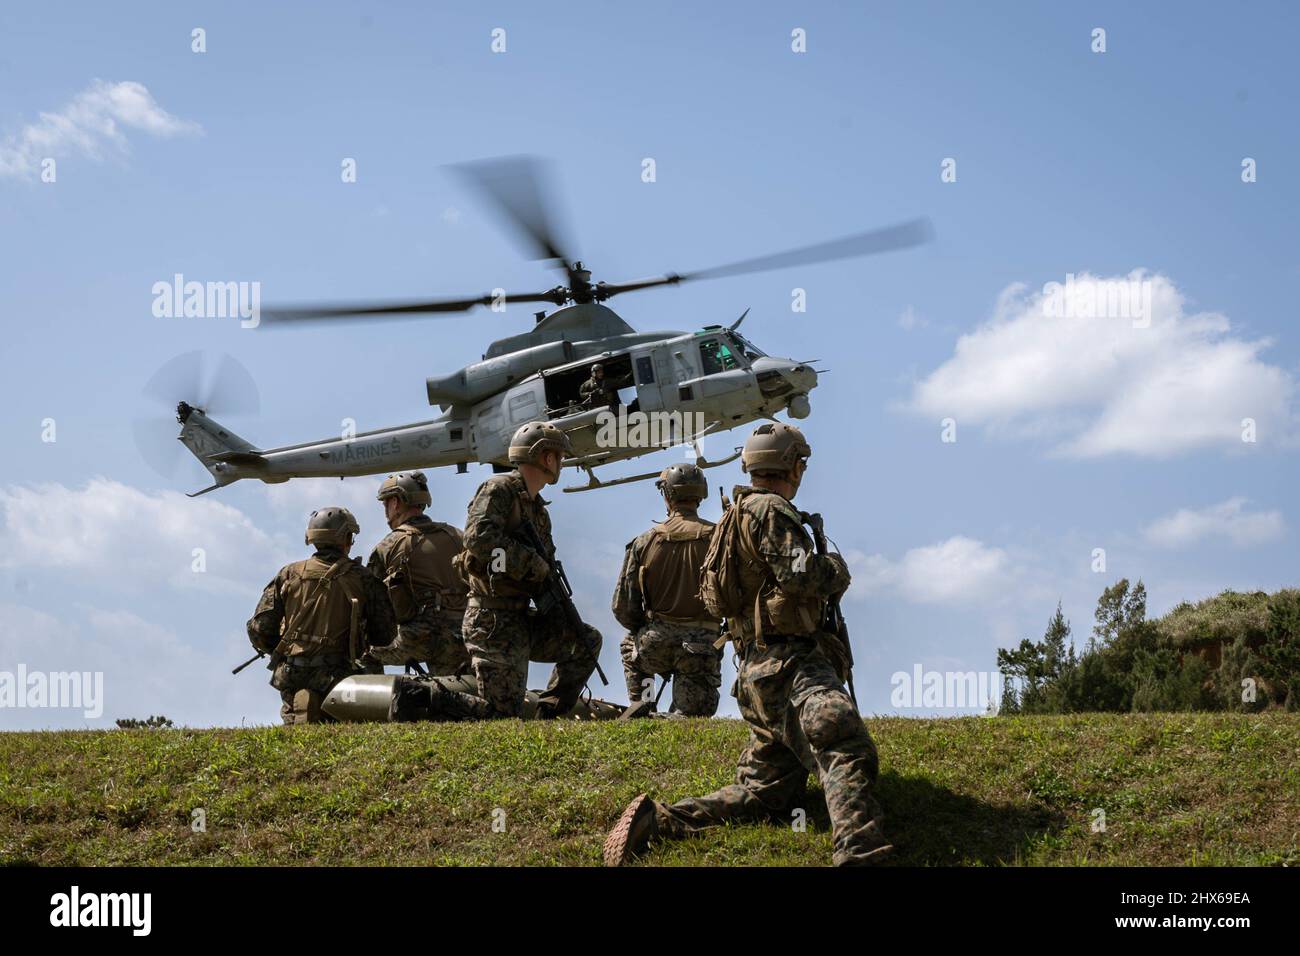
[633, 832]
[411, 700]
[548, 708]
[870, 858]
[637, 709]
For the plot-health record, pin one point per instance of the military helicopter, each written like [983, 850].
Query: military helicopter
[690, 383]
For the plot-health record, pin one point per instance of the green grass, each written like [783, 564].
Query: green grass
[1176, 789]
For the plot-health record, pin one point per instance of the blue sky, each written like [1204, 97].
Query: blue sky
[1070, 436]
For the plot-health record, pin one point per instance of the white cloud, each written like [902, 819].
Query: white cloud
[1228, 519]
[134, 538]
[1099, 386]
[95, 121]
[959, 570]
[909, 320]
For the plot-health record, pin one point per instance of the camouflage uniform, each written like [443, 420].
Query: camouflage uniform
[669, 629]
[597, 393]
[790, 689]
[309, 664]
[501, 632]
[428, 596]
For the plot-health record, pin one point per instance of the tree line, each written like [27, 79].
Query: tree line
[1233, 652]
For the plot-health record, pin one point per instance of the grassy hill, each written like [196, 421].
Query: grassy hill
[1175, 788]
[1226, 617]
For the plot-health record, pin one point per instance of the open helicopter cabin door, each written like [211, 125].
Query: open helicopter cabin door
[562, 387]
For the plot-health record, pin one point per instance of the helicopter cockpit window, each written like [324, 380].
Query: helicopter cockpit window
[748, 348]
[717, 356]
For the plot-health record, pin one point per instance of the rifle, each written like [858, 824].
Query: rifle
[256, 657]
[832, 617]
[557, 592]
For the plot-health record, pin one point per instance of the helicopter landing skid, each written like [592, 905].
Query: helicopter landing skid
[593, 482]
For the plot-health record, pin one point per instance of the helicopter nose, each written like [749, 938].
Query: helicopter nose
[802, 376]
[786, 381]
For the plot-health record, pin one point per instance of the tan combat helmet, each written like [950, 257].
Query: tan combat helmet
[408, 487]
[531, 441]
[774, 447]
[331, 526]
[683, 481]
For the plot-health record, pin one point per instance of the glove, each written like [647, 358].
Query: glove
[538, 570]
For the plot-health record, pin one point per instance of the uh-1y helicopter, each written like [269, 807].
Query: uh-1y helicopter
[699, 382]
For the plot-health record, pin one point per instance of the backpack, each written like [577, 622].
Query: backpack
[318, 606]
[720, 581]
[420, 574]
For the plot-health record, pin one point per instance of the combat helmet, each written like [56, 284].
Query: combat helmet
[684, 480]
[409, 487]
[774, 447]
[531, 441]
[331, 526]
[597, 367]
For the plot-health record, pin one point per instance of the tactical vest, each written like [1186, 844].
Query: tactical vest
[418, 569]
[737, 583]
[480, 577]
[318, 598]
[669, 574]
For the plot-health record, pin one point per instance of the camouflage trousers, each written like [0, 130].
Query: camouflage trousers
[686, 654]
[501, 643]
[432, 638]
[801, 721]
[303, 689]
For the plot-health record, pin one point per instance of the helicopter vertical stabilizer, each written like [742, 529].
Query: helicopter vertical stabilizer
[215, 446]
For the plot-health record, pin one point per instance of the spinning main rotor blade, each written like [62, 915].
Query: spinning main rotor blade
[363, 310]
[519, 186]
[914, 232]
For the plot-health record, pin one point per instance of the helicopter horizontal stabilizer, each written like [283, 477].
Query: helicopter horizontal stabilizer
[248, 458]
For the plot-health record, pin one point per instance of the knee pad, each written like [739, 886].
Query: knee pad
[306, 706]
[829, 718]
